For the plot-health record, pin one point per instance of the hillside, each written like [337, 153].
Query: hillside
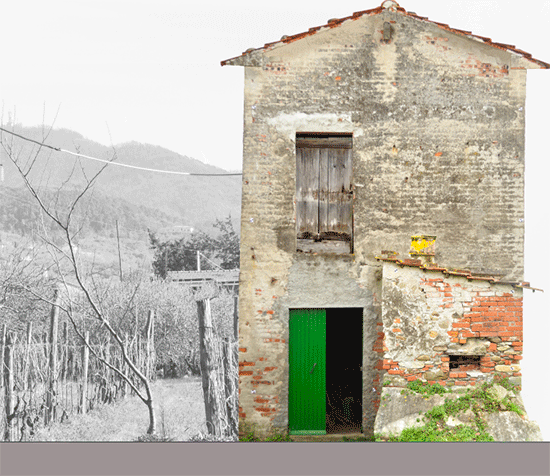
[168, 205]
[187, 200]
[19, 213]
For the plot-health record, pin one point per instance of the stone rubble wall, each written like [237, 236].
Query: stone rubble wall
[427, 318]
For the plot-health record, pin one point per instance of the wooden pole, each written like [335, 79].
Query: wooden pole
[231, 384]
[109, 377]
[236, 318]
[106, 376]
[85, 360]
[139, 353]
[8, 386]
[26, 365]
[4, 332]
[211, 372]
[153, 351]
[52, 371]
[125, 366]
[119, 255]
[150, 344]
[65, 363]
[136, 327]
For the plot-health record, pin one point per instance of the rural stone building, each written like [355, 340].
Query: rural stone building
[359, 134]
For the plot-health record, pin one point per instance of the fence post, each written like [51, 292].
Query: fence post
[236, 317]
[26, 365]
[4, 331]
[125, 366]
[139, 359]
[108, 373]
[8, 386]
[150, 345]
[52, 372]
[65, 363]
[211, 371]
[85, 359]
[231, 385]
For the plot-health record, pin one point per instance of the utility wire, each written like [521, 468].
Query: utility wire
[58, 149]
[207, 259]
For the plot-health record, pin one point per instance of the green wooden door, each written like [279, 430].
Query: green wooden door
[307, 378]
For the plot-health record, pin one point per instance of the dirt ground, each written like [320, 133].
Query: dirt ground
[179, 409]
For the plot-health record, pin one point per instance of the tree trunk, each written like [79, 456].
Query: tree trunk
[152, 420]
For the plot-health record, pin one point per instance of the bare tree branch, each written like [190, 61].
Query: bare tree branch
[58, 255]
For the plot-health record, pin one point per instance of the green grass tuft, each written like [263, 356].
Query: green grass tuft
[425, 388]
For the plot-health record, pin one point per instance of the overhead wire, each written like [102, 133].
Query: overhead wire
[119, 164]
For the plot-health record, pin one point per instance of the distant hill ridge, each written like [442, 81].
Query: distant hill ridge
[187, 200]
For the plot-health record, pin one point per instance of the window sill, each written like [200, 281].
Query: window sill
[333, 247]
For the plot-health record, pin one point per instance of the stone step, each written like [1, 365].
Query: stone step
[324, 438]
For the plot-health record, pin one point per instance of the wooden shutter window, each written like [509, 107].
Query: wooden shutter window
[324, 199]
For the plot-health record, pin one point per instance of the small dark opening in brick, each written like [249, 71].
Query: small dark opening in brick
[464, 362]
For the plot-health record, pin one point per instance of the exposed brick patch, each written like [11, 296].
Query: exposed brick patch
[486, 70]
[244, 363]
[487, 314]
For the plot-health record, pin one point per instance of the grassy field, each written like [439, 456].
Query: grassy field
[179, 410]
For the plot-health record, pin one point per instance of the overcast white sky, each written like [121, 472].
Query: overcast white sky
[150, 71]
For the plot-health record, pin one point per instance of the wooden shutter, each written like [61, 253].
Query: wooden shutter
[324, 206]
[307, 192]
[335, 196]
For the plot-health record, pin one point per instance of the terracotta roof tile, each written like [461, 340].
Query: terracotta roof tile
[465, 273]
[335, 22]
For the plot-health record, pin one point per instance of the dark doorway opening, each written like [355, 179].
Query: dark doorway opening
[344, 376]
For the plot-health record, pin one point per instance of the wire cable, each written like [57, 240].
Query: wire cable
[146, 169]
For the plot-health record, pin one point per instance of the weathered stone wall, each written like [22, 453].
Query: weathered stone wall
[428, 318]
[438, 148]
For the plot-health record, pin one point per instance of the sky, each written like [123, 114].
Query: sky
[149, 71]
